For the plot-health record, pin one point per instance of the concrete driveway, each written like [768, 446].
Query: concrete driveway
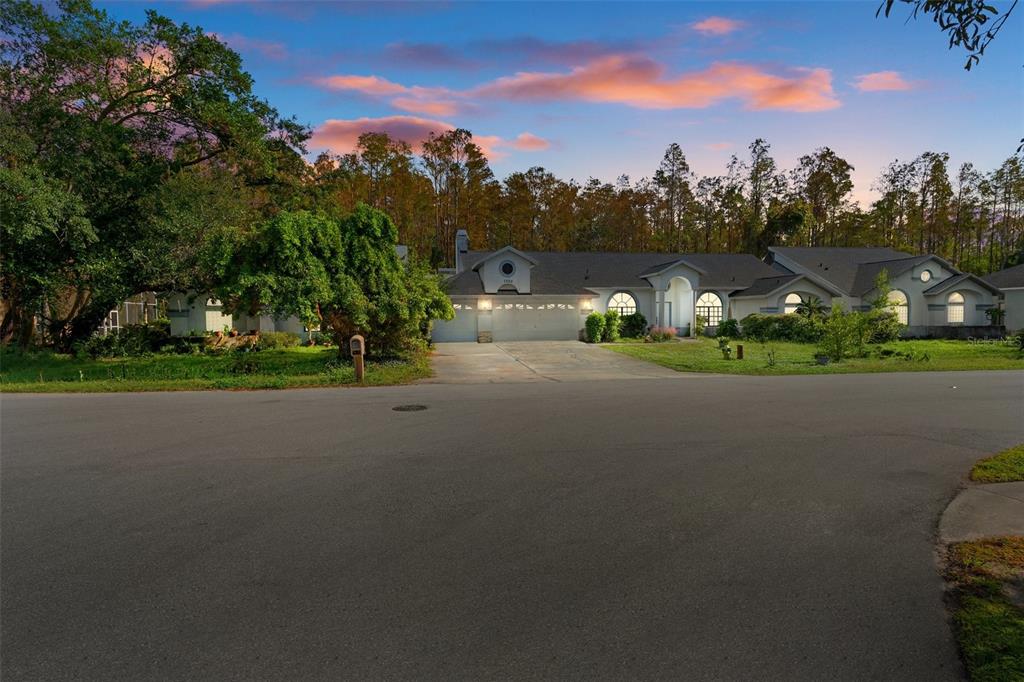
[537, 361]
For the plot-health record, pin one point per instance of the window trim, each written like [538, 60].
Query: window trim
[960, 305]
[902, 310]
[787, 304]
[623, 292]
[704, 310]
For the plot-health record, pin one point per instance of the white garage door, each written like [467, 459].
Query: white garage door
[536, 321]
[461, 328]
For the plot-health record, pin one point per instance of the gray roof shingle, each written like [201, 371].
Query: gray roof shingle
[766, 285]
[950, 282]
[573, 272]
[840, 266]
[1010, 278]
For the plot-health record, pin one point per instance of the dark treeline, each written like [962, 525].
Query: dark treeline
[972, 217]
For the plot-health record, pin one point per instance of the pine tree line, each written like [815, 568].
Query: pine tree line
[973, 218]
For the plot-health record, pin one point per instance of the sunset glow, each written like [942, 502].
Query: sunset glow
[601, 90]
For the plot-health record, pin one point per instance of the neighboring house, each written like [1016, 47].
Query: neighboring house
[195, 314]
[198, 313]
[930, 296]
[1011, 283]
[509, 294]
[136, 310]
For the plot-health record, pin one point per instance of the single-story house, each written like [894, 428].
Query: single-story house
[190, 313]
[509, 294]
[929, 295]
[1011, 283]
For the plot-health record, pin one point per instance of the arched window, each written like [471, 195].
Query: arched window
[622, 302]
[955, 308]
[709, 306]
[899, 304]
[792, 302]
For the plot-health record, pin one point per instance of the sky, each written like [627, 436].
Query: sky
[588, 89]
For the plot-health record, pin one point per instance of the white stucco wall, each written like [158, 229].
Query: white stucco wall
[644, 300]
[1013, 303]
[493, 279]
[976, 298]
[910, 284]
[199, 315]
[775, 303]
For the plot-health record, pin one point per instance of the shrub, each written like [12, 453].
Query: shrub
[845, 334]
[790, 327]
[320, 339]
[996, 316]
[699, 322]
[658, 334]
[730, 328]
[633, 326]
[131, 341]
[612, 323]
[268, 340]
[244, 362]
[595, 327]
[884, 325]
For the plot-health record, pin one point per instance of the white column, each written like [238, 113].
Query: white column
[693, 312]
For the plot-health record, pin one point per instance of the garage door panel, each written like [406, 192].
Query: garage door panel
[535, 321]
[461, 328]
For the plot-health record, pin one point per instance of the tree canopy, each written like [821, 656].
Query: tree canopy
[343, 274]
[104, 115]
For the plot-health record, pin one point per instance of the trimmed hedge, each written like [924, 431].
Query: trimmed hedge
[729, 328]
[634, 326]
[595, 327]
[612, 322]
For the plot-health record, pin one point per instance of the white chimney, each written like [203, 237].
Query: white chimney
[461, 249]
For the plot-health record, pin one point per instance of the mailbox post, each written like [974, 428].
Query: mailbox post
[357, 346]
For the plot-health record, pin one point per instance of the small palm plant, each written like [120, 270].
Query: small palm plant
[812, 308]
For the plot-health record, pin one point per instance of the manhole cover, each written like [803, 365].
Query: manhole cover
[408, 408]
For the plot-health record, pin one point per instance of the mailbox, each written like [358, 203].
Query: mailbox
[357, 346]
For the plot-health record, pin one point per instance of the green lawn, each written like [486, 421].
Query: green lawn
[1006, 466]
[45, 372]
[702, 355]
[987, 611]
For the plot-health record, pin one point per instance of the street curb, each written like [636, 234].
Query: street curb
[986, 510]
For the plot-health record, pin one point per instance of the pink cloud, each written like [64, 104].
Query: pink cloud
[718, 146]
[370, 85]
[342, 135]
[528, 142]
[717, 26]
[881, 81]
[633, 80]
[426, 106]
[640, 82]
[267, 48]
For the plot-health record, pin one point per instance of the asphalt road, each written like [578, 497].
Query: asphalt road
[713, 528]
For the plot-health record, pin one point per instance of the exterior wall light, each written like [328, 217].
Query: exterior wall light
[586, 304]
[484, 304]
